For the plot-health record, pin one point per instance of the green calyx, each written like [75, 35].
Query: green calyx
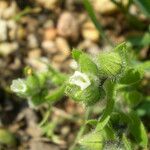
[86, 96]
[92, 141]
[110, 64]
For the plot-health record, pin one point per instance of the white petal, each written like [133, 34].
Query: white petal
[18, 86]
[80, 79]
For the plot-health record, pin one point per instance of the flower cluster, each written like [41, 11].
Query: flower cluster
[86, 84]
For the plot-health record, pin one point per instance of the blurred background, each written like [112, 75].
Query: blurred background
[33, 29]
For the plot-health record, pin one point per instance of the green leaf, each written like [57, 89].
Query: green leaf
[55, 95]
[139, 39]
[110, 93]
[136, 127]
[108, 133]
[92, 141]
[144, 109]
[120, 48]
[7, 138]
[144, 66]
[87, 65]
[133, 98]
[138, 130]
[33, 85]
[126, 143]
[92, 122]
[144, 6]
[37, 99]
[131, 76]
[76, 54]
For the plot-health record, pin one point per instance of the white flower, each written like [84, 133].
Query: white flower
[18, 86]
[80, 79]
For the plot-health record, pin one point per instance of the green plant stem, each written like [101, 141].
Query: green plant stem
[82, 129]
[97, 24]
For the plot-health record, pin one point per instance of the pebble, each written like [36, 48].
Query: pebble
[50, 33]
[12, 27]
[49, 4]
[21, 33]
[68, 26]
[8, 10]
[89, 46]
[106, 6]
[8, 48]
[63, 46]
[3, 7]
[32, 41]
[59, 58]
[49, 47]
[90, 32]
[3, 30]
[35, 53]
[37, 64]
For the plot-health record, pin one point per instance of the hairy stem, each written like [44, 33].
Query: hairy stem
[82, 129]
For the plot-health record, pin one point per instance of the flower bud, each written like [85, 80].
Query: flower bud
[109, 64]
[83, 89]
[33, 85]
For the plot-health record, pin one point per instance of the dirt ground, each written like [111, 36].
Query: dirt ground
[31, 29]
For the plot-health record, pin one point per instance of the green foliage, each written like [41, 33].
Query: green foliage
[110, 93]
[133, 98]
[35, 87]
[131, 76]
[111, 78]
[137, 129]
[109, 64]
[92, 141]
[126, 143]
[7, 138]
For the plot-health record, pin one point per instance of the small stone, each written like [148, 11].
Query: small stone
[89, 46]
[16, 64]
[3, 7]
[8, 10]
[68, 26]
[106, 6]
[12, 28]
[63, 46]
[90, 32]
[59, 58]
[37, 64]
[49, 4]
[49, 47]
[35, 53]
[3, 30]
[32, 41]
[8, 48]
[21, 33]
[50, 34]
[48, 24]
